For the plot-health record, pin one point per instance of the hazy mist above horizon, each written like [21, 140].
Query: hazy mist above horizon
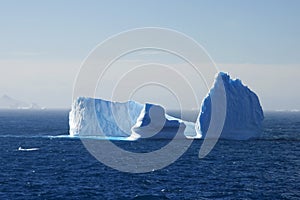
[43, 44]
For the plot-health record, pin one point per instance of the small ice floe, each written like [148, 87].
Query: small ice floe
[28, 149]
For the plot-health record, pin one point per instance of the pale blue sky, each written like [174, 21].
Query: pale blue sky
[50, 40]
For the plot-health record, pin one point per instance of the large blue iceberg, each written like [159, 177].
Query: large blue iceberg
[101, 118]
[244, 114]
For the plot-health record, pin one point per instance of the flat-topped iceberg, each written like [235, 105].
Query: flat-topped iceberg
[97, 117]
[244, 114]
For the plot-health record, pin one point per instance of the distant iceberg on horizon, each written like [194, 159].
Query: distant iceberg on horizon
[7, 102]
[133, 120]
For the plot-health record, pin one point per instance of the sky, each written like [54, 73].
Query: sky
[43, 43]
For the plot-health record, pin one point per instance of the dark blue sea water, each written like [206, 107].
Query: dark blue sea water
[61, 168]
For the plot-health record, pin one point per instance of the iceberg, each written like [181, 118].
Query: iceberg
[154, 123]
[97, 117]
[91, 117]
[107, 119]
[7, 102]
[244, 114]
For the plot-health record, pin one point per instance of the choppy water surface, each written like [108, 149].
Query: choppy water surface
[36, 164]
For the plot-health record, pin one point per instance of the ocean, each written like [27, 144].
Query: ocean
[36, 164]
